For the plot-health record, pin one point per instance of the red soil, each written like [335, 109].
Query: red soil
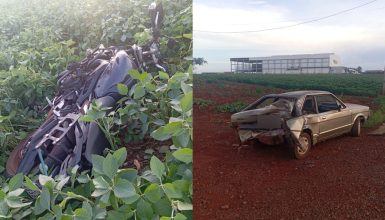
[342, 178]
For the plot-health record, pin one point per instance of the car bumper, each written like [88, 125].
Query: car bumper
[271, 137]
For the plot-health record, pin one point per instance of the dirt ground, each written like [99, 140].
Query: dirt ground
[343, 178]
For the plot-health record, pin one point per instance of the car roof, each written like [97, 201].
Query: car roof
[299, 94]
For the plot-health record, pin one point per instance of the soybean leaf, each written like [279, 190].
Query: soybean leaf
[97, 163]
[139, 76]
[186, 102]
[163, 207]
[185, 87]
[62, 182]
[83, 178]
[38, 209]
[184, 138]
[128, 174]
[184, 155]
[45, 198]
[100, 183]
[30, 185]
[99, 192]
[182, 185]
[163, 75]
[99, 213]
[120, 156]
[157, 167]
[123, 212]
[132, 199]
[43, 180]
[139, 92]
[16, 182]
[150, 87]
[180, 216]
[87, 118]
[183, 206]
[16, 202]
[16, 192]
[87, 207]
[160, 134]
[153, 193]
[57, 211]
[82, 214]
[171, 191]
[144, 209]
[114, 215]
[124, 189]
[105, 198]
[134, 73]
[122, 88]
[110, 166]
[48, 216]
[165, 132]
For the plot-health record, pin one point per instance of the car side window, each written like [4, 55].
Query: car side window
[309, 106]
[326, 103]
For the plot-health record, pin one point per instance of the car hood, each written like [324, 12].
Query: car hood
[356, 107]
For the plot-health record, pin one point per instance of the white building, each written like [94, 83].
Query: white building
[302, 63]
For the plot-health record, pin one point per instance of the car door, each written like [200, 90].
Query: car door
[334, 117]
[310, 113]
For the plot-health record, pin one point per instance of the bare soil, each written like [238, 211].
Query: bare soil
[139, 154]
[343, 178]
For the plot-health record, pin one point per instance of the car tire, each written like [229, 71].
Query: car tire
[302, 152]
[356, 129]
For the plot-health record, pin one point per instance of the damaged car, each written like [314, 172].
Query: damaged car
[300, 119]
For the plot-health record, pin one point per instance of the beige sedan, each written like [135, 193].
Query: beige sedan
[300, 118]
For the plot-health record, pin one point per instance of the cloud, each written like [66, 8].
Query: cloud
[257, 2]
[352, 36]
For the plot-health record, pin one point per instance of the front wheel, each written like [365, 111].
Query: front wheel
[356, 129]
[302, 148]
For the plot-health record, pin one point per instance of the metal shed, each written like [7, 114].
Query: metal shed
[286, 64]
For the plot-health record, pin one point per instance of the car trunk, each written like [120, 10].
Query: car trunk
[264, 124]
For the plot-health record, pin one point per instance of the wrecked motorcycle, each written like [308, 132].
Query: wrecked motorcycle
[63, 141]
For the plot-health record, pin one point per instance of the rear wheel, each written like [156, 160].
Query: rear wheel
[14, 159]
[356, 129]
[302, 148]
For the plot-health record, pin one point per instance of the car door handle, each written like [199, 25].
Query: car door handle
[323, 117]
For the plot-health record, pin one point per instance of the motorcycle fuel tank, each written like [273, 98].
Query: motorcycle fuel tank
[116, 72]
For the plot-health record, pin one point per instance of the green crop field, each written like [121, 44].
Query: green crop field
[340, 84]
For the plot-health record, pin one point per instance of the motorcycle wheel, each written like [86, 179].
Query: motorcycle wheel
[14, 159]
[15, 156]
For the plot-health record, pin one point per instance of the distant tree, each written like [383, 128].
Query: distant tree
[199, 61]
[359, 69]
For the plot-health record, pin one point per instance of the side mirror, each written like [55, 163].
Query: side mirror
[156, 14]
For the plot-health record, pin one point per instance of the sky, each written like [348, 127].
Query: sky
[357, 36]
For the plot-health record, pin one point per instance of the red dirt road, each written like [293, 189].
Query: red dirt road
[343, 178]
